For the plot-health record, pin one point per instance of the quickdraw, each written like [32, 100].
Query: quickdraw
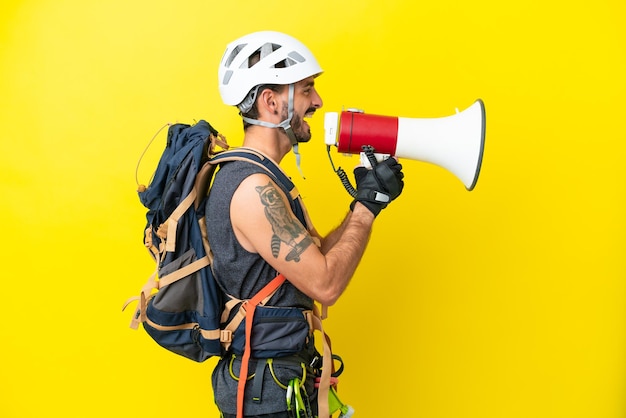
[298, 404]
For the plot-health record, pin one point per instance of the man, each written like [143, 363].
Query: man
[252, 226]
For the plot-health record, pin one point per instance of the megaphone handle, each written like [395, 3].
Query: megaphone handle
[367, 158]
[368, 151]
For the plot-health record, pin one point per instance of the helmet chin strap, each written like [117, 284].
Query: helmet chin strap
[286, 125]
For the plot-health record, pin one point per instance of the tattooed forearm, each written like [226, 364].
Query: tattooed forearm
[285, 227]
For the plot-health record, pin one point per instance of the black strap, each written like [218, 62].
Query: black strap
[257, 384]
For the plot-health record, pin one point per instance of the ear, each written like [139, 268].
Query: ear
[268, 103]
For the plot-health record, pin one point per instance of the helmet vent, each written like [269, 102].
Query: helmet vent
[233, 54]
[258, 56]
[297, 57]
[227, 77]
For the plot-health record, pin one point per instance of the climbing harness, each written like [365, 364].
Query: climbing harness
[296, 397]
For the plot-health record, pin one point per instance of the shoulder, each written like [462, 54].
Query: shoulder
[239, 168]
[258, 188]
[232, 175]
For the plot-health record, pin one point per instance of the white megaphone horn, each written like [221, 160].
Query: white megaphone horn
[454, 142]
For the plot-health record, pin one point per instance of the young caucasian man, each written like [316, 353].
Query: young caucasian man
[256, 230]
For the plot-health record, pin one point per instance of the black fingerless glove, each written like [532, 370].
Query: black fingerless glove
[377, 187]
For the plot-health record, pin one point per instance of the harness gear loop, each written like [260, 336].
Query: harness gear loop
[231, 371]
[270, 362]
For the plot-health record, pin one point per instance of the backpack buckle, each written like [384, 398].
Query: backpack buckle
[226, 336]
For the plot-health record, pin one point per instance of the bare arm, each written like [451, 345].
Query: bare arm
[264, 223]
[333, 236]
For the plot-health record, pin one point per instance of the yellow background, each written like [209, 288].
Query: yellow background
[506, 302]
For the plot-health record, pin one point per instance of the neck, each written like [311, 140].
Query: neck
[271, 142]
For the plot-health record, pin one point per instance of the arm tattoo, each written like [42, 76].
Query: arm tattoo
[286, 229]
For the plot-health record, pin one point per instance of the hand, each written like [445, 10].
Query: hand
[378, 186]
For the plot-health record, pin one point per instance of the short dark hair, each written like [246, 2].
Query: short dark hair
[253, 113]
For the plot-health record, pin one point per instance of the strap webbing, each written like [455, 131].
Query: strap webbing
[183, 272]
[327, 365]
[257, 383]
[172, 222]
[233, 324]
[250, 306]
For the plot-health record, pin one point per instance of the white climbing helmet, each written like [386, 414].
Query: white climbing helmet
[283, 60]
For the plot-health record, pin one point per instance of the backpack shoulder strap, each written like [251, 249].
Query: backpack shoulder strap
[246, 154]
[255, 157]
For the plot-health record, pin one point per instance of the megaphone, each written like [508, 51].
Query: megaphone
[455, 143]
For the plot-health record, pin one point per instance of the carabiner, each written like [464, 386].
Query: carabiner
[298, 405]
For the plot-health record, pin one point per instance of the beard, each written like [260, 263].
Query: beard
[300, 128]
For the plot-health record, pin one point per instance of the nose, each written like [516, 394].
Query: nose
[317, 99]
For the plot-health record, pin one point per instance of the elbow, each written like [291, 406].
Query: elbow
[329, 295]
[327, 301]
